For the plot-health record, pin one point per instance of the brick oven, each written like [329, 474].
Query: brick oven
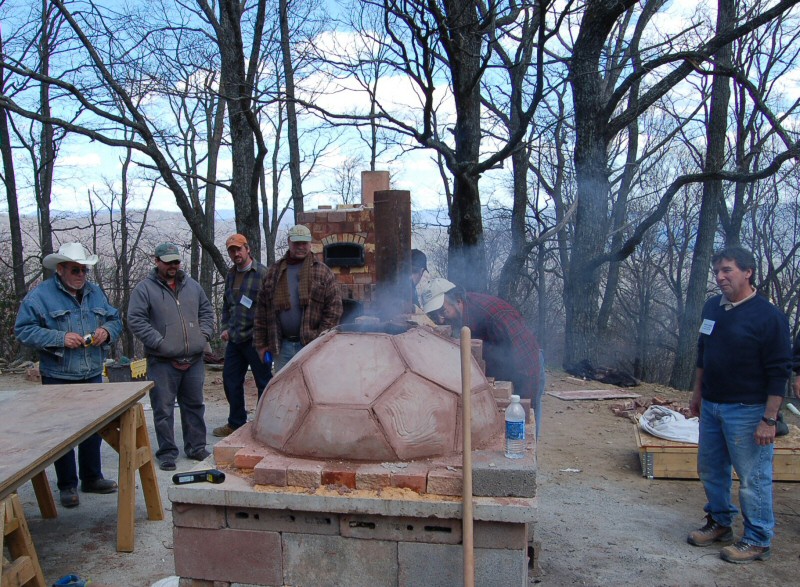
[351, 472]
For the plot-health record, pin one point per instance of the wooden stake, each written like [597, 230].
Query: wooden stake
[466, 423]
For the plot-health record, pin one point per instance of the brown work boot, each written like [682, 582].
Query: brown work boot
[743, 553]
[710, 533]
[222, 431]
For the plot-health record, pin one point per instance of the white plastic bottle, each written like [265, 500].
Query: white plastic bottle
[515, 429]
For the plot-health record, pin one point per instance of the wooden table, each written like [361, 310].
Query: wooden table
[41, 424]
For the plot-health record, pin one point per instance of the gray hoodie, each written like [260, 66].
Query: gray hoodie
[171, 324]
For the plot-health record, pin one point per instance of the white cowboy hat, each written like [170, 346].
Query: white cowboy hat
[73, 252]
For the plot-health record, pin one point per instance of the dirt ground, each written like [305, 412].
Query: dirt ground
[599, 521]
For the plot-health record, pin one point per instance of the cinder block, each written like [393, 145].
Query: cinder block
[272, 471]
[373, 477]
[493, 475]
[333, 561]
[282, 521]
[445, 482]
[441, 565]
[207, 554]
[198, 516]
[499, 535]
[406, 529]
[304, 474]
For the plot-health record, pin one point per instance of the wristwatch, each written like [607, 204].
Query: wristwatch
[769, 421]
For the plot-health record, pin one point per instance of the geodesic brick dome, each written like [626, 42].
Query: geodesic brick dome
[374, 396]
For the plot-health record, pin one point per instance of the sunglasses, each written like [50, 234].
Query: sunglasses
[173, 263]
[78, 270]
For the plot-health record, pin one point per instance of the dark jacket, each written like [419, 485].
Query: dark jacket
[171, 325]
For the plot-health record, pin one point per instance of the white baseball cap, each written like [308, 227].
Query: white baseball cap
[432, 297]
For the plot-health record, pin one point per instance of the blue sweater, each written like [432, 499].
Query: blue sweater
[747, 356]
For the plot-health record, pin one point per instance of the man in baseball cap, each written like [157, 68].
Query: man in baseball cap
[242, 284]
[168, 252]
[287, 316]
[510, 348]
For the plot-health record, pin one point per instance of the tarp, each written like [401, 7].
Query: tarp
[664, 423]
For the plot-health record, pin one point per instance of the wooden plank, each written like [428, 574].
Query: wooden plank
[593, 394]
[147, 469]
[25, 566]
[44, 496]
[127, 482]
[668, 459]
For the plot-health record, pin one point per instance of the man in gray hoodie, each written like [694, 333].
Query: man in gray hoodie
[170, 313]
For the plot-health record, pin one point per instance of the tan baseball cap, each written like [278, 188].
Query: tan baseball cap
[299, 234]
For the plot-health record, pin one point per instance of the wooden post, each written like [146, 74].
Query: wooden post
[466, 420]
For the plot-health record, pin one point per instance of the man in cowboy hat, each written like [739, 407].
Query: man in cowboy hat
[72, 325]
[170, 313]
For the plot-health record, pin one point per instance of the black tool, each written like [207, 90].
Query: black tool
[204, 476]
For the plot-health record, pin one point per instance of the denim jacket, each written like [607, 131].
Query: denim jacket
[49, 312]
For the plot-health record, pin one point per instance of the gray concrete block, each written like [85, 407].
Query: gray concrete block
[198, 516]
[493, 475]
[499, 535]
[283, 521]
[431, 530]
[333, 561]
[442, 565]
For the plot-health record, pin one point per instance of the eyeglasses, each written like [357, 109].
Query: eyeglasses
[78, 270]
[174, 263]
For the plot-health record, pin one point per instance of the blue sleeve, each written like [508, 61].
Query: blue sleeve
[30, 330]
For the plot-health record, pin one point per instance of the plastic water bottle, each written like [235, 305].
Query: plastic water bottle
[515, 429]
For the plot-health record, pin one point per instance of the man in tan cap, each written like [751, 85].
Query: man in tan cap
[242, 285]
[72, 325]
[287, 315]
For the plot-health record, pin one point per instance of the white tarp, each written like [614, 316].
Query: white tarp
[670, 425]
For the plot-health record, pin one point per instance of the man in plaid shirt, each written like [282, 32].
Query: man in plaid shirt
[299, 300]
[242, 285]
[510, 349]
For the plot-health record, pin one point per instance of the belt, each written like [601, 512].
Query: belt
[292, 338]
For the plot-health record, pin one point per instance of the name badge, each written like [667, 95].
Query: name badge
[246, 302]
[707, 326]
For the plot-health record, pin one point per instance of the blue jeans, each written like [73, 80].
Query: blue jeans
[288, 350]
[238, 355]
[67, 472]
[187, 387]
[727, 443]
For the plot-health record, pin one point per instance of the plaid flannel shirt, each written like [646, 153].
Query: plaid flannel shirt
[323, 311]
[510, 349]
[237, 317]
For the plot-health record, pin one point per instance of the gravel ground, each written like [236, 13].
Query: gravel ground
[599, 521]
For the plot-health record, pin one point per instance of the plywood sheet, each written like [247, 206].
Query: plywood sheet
[594, 394]
[41, 423]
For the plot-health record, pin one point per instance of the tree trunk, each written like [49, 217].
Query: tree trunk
[47, 155]
[17, 252]
[466, 253]
[291, 111]
[684, 367]
[237, 92]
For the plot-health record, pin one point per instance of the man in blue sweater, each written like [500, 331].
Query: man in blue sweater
[743, 366]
